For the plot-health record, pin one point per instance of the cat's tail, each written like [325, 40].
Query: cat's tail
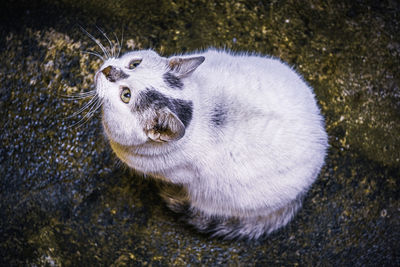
[250, 228]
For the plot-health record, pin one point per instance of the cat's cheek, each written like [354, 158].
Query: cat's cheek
[124, 130]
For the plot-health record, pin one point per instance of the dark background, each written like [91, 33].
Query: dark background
[66, 200]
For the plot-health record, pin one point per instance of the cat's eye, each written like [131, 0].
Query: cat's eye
[125, 95]
[134, 63]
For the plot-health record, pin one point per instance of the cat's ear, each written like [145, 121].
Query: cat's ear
[167, 127]
[183, 67]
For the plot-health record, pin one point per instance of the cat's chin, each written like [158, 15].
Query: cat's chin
[125, 139]
[133, 141]
[126, 143]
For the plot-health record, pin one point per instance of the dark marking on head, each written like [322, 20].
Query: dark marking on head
[172, 81]
[151, 98]
[219, 115]
[113, 74]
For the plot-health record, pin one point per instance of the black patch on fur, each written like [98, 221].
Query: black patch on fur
[183, 109]
[219, 115]
[216, 226]
[151, 98]
[113, 74]
[172, 81]
[175, 196]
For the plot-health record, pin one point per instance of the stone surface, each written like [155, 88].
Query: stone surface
[66, 200]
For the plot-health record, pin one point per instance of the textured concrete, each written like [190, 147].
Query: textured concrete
[65, 200]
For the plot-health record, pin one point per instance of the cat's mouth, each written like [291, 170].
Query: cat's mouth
[97, 84]
[102, 85]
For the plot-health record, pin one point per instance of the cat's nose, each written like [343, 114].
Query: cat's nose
[114, 74]
[106, 71]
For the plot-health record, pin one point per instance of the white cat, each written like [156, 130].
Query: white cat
[238, 138]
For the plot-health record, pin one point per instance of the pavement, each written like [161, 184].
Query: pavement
[66, 200]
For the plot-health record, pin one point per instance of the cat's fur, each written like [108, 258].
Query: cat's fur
[238, 137]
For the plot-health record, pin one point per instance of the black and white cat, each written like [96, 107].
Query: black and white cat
[238, 138]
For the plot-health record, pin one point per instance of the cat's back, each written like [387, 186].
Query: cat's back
[243, 65]
[266, 118]
[253, 83]
[252, 98]
[256, 78]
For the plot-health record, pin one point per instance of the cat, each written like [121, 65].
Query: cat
[237, 138]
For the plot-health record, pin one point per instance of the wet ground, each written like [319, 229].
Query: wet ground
[67, 201]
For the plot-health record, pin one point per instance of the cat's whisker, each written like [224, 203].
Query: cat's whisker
[88, 114]
[86, 106]
[92, 92]
[122, 42]
[106, 53]
[78, 95]
[92, 111]
[94, 106]
[73, 98]
[79, 123]
[94, 54]
[89, 93]
[118, 45]
[111, 49]
[76, 113]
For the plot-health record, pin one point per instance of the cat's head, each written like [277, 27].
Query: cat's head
[144, 97]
